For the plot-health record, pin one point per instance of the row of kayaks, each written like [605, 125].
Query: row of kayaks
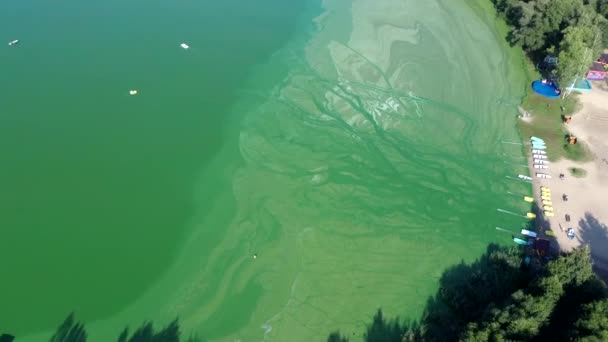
[538, 175]
[530, 236]
[540, 162]
[539, 157]
[538, 144]
[547, 203]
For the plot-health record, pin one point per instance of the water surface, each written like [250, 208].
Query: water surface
[352, 146]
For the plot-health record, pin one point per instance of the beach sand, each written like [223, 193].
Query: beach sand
[587, 203]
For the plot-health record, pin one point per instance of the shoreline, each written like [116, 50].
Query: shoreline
[586, 192]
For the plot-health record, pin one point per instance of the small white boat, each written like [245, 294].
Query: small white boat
[528, 233]
[133, 92]
[536, 166]
[524, 177]
[543, 175]
[13, 42]
[184, 46]
[539, 152]
[539, 156]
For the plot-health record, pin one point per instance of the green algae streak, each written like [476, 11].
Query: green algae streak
[353, 147]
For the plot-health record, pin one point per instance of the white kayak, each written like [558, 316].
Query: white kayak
[537, 166]
[524, 177]
[539, 152]
[541, 161]
[539, 147]
[536, 139]
[528, 233]
[539, 156]
[543, 175]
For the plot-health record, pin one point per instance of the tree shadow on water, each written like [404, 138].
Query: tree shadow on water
[466, 292]
[70, 331]
[382, 330]
[6, 338]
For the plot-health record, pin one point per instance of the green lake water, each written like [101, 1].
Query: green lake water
[353, 146]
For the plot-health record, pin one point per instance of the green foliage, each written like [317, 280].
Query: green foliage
[575, 53]
[570, 29]
[593, 322]
[577, 172]
[495, 299]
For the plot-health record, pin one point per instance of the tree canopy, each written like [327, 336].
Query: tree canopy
[573, 30]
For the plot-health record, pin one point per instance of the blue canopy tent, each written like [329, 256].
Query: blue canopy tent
[581, 85]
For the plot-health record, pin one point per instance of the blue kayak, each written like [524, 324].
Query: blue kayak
[522, 241]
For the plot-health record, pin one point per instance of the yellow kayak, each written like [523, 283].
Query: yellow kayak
[548, 207]
[530, 215]
[528, 199]
[549, 214]
[544, 188]
[550, 233]
[547, 202]
[546, 198]
[543, 192]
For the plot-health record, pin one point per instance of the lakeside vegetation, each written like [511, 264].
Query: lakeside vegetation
[574, 31]
[547, 124]
[500, 298]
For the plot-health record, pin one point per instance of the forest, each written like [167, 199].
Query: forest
[574, 31]
[499, 298]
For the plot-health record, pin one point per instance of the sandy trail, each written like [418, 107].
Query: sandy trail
[587, 203]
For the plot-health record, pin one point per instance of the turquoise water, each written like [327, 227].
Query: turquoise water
[353, 147]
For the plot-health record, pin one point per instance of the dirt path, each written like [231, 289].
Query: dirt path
[587, 204]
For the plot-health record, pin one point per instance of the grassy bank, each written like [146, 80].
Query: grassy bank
[547, 122]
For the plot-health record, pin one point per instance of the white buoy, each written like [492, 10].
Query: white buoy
[133, 92]
[255, 256]
[184, 46]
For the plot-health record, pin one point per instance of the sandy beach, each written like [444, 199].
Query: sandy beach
[587, 194]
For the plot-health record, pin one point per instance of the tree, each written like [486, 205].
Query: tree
[575, 54]
[593, 323]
